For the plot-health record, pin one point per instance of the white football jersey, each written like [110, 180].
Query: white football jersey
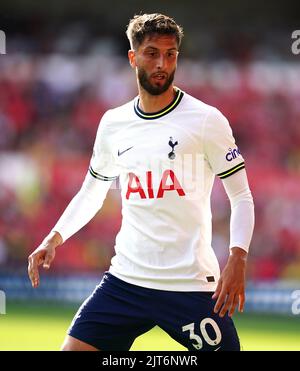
[166, 163]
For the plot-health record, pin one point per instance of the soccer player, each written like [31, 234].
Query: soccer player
[166, 148]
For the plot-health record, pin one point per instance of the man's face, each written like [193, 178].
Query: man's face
[155, 62]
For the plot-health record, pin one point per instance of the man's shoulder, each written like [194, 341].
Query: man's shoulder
[193, 103]
[120, 113]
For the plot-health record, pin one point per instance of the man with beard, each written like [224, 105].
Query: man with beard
[166, 148]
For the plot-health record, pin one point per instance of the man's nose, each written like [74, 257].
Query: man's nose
[160, 63]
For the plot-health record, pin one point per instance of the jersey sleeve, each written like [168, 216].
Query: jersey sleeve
[220, 149]
[102, 164]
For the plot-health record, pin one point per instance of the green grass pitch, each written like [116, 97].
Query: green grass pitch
[38, 326]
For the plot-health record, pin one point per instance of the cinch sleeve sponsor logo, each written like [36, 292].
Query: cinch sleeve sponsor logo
[232, 154]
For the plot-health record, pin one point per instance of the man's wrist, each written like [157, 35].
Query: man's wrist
[237, 252]
[54, 239]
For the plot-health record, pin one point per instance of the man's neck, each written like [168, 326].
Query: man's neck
[153, 103]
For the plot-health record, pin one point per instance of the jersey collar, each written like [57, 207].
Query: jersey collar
[164, 111]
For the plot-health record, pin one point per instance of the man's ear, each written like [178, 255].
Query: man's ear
[131, 57]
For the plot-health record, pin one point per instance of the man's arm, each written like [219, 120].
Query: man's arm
[78, 213]
[83, 207]
[230, 291]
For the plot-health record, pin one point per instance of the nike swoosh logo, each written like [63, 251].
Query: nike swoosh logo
[125, 150]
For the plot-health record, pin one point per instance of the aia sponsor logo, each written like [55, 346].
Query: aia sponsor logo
[168, 182]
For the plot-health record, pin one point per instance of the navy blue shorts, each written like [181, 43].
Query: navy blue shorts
[118, 312]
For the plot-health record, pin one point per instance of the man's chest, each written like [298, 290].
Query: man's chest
[156, 145]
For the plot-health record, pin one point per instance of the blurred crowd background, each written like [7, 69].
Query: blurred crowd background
[66, 64]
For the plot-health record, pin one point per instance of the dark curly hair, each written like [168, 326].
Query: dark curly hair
[143, 25]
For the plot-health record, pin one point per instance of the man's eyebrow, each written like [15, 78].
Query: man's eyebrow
[154, 48]
[151, 47]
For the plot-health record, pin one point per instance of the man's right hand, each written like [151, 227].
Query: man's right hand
[44, 254]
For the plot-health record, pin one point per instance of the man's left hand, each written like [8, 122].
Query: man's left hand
[230, 291]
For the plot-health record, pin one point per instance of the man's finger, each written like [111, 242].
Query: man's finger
[228, 303]
[234, 305]
[30, 273]
[241, 302]
[218, 290]
[33, 271]
[48, 260]
[220, 301]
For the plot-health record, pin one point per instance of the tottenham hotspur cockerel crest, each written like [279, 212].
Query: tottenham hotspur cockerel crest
[171, 154]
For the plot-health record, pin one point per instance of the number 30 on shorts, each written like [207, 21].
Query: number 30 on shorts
[198, 344]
